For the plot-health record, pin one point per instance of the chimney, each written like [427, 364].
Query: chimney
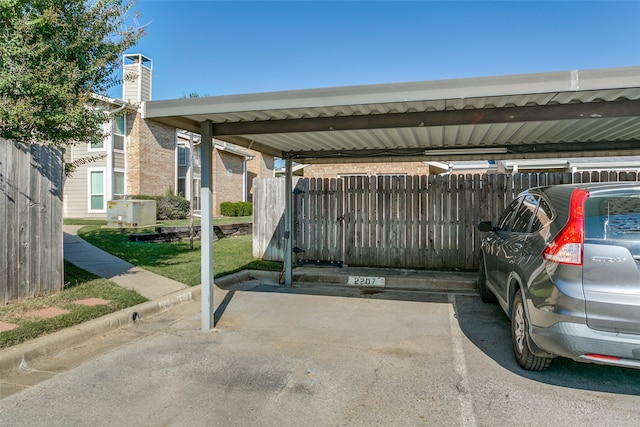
[136, 78]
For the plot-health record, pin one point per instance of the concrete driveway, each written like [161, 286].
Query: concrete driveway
[320, 357]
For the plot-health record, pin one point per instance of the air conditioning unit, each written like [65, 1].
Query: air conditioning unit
[131, 213]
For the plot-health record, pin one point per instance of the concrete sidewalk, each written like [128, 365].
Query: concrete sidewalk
[94, 260]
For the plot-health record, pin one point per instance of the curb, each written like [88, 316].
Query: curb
[66, 338]
[53, 343]
[403, 280]
[409, 280]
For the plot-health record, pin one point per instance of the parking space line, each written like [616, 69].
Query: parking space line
[460, 366]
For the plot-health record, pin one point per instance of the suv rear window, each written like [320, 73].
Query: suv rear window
[613, 217]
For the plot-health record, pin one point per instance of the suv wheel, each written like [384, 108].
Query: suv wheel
[520, 337]
[485, 294]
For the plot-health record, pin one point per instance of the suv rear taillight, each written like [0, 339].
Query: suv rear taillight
[566, 248]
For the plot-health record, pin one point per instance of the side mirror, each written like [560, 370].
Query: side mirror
[485, 226]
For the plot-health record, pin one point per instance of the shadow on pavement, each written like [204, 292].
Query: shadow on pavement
[488, 328]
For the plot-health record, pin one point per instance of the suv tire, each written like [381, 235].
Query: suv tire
[520, 338]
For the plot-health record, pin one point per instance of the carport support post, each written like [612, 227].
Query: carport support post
[206, 233]
[288, 222]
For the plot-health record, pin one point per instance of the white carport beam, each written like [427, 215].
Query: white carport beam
[206, 236]
[522, 114]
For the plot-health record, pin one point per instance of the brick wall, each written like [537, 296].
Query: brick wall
[227, 176]
[151, 160]
[372, 169]
[261, 166]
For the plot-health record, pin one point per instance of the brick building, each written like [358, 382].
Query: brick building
[340, 170]
[140, 157]
[574, 164]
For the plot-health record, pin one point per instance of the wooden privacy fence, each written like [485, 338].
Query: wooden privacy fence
[31, 260]
[424, 222]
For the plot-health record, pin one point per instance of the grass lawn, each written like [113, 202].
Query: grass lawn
[79, 285]
[175, 260]
[185, 222]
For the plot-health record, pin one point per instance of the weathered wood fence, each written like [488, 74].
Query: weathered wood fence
[425, 222]
[31, 259]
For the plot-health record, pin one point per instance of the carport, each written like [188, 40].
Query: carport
[546, 115]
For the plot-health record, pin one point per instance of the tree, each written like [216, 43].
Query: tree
[192, 95]
[55, 57]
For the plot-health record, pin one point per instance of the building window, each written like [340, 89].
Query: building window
[118, 185]
[97, 146]
[182, 186]
[182, 155]
[118, 133]
[195, 194]
[96, 190]
[195, 157]
[100, 146]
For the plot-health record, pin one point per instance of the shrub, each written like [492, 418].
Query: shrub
[228, 209]
[172, 207]
[247, 208]
[236, 208]
[169, 206]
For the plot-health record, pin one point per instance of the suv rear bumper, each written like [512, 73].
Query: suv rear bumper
[579, 342]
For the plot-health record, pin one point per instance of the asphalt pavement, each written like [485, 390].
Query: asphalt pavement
[320, 353]
[317, 357]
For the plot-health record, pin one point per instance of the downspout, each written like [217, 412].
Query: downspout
[191, 192]
[175, 162]
[245, 193]
[449, 169]
[117, 110]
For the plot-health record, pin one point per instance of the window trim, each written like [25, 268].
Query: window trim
[123, 134]
[124, 175]
[104, 190]
[185, 149]
[182, 178]
[91, 147]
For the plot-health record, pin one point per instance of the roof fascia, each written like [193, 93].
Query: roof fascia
[231, 150]
[566, 81]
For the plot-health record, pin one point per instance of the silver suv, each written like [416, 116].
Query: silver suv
[563, 262]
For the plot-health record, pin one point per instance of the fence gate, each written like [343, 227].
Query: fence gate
[426, 222]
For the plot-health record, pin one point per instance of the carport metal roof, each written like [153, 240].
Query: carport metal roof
[572, 113]
[565, 114]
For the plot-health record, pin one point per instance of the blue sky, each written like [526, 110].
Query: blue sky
[222, 48]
